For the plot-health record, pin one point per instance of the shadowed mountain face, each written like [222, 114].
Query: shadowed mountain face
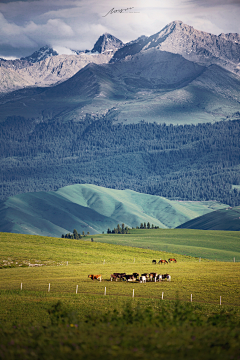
[94, 209]
[224, 219]
[152, 86]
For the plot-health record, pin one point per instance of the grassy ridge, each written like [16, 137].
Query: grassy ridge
[95, 209]
[224, 219]
[219, 245]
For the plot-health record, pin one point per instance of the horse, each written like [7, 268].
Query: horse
[129, 277]
[146, 275]
[142, 279]
[95, 277]
[152, 276]
[172, 260]
[154, 262]
[167, 277]
[163, 262]
[136, 275]
[119, 275]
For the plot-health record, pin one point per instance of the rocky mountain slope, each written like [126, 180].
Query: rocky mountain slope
[152, 86]
[41, 54]
[46, 67]
[194, 45]
[94, 209]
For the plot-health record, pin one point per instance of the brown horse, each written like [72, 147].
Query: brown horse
[172, 260]
[95, 277]
[163, 262]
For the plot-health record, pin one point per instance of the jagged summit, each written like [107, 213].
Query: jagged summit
[194, 45]
[107, 42]
[41, 54]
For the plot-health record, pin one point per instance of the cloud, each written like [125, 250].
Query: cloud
[77, 24]
[211, 3]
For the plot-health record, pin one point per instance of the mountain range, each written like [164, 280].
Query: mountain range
[179, 75]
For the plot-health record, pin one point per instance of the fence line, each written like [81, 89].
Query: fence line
[133, 296]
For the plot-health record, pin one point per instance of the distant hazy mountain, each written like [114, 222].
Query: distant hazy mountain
[45, 67]
[94, 209]
[224, 219]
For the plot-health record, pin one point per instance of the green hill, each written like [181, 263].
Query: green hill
[94, 209]
[223, 219]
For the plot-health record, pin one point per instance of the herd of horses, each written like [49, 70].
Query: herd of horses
[164, 261]
[137, 277]
[134, 277]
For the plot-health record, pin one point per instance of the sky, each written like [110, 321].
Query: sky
[27, 25]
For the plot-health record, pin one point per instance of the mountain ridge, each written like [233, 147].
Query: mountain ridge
[94, 209]
[178, 38]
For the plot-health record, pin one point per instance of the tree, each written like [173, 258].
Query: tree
[83, 233]
[148, 225]
[75, 234]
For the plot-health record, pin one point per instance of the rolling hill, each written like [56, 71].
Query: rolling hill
[222, 219]
[93, 209]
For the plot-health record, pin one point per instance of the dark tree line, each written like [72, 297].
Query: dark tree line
[191, 162]
[75, 235]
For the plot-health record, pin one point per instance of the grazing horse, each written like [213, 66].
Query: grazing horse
[154, 262]
[136, 275]
[95, 277]
[167, 277]
[146, 275]
[172, 260]
[159, 277]
[129, 277]
[152, 276]
[142, 279]
[163, 262]
[119, 275]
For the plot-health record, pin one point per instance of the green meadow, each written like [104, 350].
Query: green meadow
[60, 322]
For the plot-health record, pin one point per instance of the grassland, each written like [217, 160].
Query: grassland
[90, 325]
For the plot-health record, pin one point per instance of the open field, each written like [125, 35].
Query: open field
[90, 325]
[219, 245]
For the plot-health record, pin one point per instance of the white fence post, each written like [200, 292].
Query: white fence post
[49, 287]
[21, 287]
[76, 289]
[199, 259]
[67, 263]
[162, 295]
[104, 261]
[191, 297]
[133, 293]
[105, 291]
[234, 259]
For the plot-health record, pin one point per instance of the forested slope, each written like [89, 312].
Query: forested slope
[187, 162]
